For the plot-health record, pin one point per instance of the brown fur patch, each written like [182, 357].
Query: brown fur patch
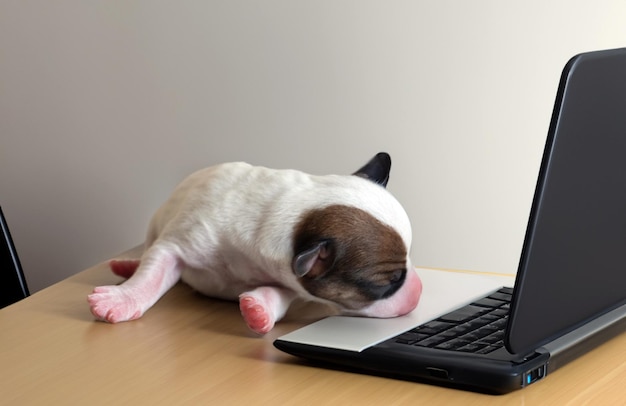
[366, 259]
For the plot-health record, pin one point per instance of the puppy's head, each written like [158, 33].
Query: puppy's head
[349, 256]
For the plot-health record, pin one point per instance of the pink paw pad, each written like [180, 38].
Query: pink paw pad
[124, 267]
[256, 314]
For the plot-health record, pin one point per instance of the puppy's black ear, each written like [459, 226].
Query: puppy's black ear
[377, 169]
[315, 260]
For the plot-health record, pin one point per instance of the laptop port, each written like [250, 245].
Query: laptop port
[437, 373]
[534, 375]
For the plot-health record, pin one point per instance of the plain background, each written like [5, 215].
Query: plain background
[106, 105]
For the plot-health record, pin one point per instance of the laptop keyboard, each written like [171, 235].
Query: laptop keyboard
[477, 328]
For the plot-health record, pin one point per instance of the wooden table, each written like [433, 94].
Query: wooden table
[190, 349]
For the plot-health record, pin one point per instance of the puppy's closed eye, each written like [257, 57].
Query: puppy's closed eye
[389, 277]
[397, 275]
[385, 284]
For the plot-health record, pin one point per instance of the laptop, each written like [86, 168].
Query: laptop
[13, 285]
[569, 294]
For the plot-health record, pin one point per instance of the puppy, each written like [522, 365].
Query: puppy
[264, 237]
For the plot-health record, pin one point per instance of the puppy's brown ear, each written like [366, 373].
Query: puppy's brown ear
[314, 260]
[377, 169]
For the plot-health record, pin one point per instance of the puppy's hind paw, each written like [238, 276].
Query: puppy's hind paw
[257, 315]
[113, 304]
[124, 267]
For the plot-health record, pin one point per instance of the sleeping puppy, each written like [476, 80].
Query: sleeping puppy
[264, 237]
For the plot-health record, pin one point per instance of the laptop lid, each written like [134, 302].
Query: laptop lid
[573, 262]
[13, 285]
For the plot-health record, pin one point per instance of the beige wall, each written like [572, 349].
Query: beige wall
[106, 105]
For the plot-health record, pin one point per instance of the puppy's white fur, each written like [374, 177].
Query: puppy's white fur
[227, 231]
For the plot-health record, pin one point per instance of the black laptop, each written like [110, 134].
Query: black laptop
[570, 290]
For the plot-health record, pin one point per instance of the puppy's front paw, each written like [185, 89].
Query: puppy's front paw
[113, 304]
[256, 313]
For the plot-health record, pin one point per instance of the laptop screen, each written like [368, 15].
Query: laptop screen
[573, 265]
[13, 286]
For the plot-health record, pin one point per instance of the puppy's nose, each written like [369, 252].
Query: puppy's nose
[413, 286]
[412, 291]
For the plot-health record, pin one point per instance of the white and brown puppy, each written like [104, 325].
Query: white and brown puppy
[265, 236]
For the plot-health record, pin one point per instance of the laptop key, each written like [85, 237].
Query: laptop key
[499, 312]
[433, 327]
[475, 324]
[473, 347]
[458, 330]
[500, 324]
[490, 317]
[488, 329]
[487, 349]
[465, 313]
[430, 341]
[489, 302]
[410, 338]
[493, 338]
[506, 297]
[449, 333]
[449, 345]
